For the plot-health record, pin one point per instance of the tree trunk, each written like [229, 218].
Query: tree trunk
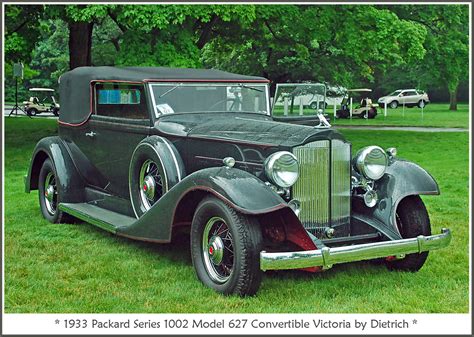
[453, 99]
[80, 44]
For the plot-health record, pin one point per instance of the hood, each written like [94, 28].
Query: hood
[248, 128]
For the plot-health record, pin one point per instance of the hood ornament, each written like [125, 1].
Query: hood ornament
[323, 122]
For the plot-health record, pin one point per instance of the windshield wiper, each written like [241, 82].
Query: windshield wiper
[170, 90]
[249, 87]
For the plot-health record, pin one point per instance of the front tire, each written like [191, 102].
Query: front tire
[49, 194]
[225, 248]
[393, 104]
[412, 220]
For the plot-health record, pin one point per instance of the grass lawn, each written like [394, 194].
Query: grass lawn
[434, 115]
[79, 268]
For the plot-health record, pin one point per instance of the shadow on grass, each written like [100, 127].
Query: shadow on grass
[178, 253]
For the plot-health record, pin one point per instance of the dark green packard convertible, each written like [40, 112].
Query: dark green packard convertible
[151, 153]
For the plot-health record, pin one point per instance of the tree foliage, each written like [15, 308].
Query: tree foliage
[341, 44]
[383, 46]
[446, 45]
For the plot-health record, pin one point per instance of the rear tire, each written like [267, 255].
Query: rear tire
[32, 112]
[49, 194]
[412, 220]
[372, 113]
[421, 104]
[225, 248]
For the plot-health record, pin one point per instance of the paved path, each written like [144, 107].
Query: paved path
[401, 128]
[8, 108]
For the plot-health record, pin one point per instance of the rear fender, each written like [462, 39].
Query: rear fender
[71, 185]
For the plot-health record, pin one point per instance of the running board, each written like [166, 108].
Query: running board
[100, 217]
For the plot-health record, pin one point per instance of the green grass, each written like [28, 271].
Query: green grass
[434, 115]
[52, 268]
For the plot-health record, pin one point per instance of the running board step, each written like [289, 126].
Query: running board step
[100, 217]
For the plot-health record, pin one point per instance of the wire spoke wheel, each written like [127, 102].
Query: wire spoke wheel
[218, 250]
[225, 248]
[50, 193]
[150, 184]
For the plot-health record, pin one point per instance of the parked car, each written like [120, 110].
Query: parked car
[160, 151]
[42, 100]
[362, 104]
[407, 97]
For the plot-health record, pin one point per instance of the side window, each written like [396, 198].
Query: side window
[120, 100]
[410, 93]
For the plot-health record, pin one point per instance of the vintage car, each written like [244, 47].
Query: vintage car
[42, 100]
[151, 153]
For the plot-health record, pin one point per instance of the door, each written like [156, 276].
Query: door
[410, 97]
[119, 121]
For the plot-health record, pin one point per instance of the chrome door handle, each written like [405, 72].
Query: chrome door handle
[91, 134]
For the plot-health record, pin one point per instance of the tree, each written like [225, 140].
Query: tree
[447, 44]
[50, 56]
[21, 33]
[336, 44]
[171, 35]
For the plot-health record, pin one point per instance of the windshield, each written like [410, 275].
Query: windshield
[209, 97]
[395, 93]
[298, 98]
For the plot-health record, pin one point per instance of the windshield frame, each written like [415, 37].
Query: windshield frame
[176, 84]
[282, 85]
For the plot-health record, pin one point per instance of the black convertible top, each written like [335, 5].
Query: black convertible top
[74, 85]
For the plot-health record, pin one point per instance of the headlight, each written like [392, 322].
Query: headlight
[371, 161]
[282, 168]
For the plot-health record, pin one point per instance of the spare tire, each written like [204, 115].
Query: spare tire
[155, 167]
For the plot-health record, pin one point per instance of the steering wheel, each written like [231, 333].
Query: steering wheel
[233, 100]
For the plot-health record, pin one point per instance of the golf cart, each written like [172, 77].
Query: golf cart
[41, 100]
[364, 109]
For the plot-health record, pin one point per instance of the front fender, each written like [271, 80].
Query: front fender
[70, 182]
[240, 189]
[402, 178]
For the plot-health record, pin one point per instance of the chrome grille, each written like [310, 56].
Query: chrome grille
[323, 187]
[312, 187]
[340, 183]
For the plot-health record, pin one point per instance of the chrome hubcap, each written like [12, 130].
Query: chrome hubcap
[149, 187]
[50, 193]
[218, 250]
[151, 184]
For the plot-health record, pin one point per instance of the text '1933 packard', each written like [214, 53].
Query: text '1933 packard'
[149, 153]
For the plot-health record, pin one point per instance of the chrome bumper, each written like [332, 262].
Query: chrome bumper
[326, 256]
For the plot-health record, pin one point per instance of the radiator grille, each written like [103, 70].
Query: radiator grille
[340, 183]
[323, 187]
